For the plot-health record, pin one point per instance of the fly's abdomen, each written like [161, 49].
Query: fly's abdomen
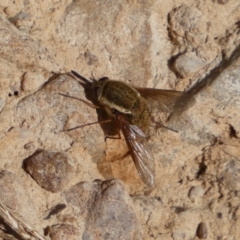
[141, 114]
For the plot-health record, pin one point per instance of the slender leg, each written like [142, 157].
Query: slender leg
[86, 102]
[113, 137]
[88, 124]
[161, 125]
[118, 133]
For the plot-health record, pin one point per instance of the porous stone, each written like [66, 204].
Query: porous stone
[107, 208]
[32, 81]
[14, 196]
[51, 170]
[196, 193]
[188, 64]
[63, 231]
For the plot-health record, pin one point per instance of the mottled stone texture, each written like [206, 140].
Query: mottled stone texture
[107, 209]
[14, 196]
[178, 45]
[51, 170]
[64, 231]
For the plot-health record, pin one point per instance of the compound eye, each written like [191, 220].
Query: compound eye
[96, 91]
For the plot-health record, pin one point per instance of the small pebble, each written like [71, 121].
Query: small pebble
[202, 231]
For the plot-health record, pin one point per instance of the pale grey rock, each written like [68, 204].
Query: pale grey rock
[229, 174]
[107, 209]
[188, 63]
[196, 193]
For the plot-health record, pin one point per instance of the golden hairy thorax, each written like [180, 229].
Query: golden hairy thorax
[115, 95]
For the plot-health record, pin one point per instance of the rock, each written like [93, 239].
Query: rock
[229, 175]
[51, 170]
[151, 210]
[188, 64]
[202, 231]
[32, 81]
[182, 227]
[196, 192]
[63, 231]
[107, 209]
[188, 23]
[14, 196]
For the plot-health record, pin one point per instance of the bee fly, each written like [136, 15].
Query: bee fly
[130, 107]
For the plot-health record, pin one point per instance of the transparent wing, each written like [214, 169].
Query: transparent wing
[137, 144]
[167, 100]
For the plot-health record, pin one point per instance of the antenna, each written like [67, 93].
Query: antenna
[81, 77]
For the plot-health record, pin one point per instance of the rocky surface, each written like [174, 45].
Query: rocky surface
[106, 208]
[177, 45]
[51, 170]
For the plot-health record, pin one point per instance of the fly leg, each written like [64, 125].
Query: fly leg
[114, 137]
[82, 100]
[88, 124]
[90, 105]
[158, 124]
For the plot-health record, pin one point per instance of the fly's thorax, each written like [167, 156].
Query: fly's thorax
[118, 96]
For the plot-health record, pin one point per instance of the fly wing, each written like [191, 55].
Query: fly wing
[167, 100]
[137, 144]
